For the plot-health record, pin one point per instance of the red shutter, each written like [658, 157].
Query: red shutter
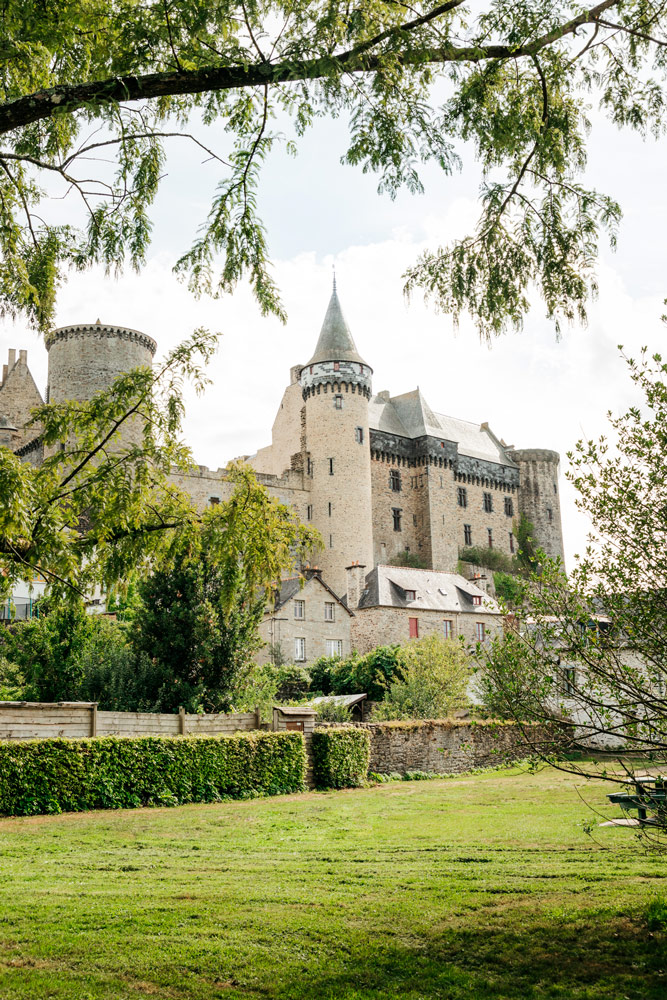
[414, 628]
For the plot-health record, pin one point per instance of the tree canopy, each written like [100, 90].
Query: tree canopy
[93, 91]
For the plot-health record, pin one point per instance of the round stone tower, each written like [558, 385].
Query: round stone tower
[539, 498]
[336, 386]
[85, 359]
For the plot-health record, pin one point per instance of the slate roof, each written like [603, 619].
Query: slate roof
[386, 586]
[292, 587]
[409, 415]
[335, 341]
[348, 700]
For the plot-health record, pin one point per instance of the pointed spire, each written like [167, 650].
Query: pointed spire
[335, 341]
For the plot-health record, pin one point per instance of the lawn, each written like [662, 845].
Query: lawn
[481, 886]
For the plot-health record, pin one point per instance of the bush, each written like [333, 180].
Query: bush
[433, 681]
[332, 711]
[340, 757]
[293, 681]
[490, 558]
[370, 674]
[53, 776]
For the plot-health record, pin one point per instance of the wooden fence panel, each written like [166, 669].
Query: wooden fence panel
[75, 720]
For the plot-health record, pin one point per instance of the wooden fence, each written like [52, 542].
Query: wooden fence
[24, 720]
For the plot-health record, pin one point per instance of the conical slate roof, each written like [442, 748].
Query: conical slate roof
[335, 341]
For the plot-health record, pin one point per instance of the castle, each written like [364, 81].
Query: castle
[377, 475]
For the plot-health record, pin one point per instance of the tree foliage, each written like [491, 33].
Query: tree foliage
[593, 647]
[95, 91]
[433, 676]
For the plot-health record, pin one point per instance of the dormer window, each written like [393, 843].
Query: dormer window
[477, 599]
[411, 595]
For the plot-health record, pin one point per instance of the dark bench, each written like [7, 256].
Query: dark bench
[641, 800]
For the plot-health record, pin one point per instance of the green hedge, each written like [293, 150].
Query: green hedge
[52, 776]
[340, 757]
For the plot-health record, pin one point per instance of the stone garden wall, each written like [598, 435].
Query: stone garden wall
[449, 746]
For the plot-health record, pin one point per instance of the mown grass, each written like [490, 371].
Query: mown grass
[484, 886]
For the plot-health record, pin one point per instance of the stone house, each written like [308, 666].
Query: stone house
[306, 620]
[393, 604]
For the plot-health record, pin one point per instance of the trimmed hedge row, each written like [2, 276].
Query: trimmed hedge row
[53, 776]
[340, 757]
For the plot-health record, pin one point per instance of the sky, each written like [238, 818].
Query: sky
[534, 389]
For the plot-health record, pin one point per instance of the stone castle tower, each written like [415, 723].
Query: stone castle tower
[336, 387]
[85, 359]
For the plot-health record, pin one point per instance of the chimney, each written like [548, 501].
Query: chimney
[23, 359]
[12, 358]
[356, 576]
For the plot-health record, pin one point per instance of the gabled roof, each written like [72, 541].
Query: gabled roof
[335, 341]
[389, 586]
[409, 415]
[295, 585]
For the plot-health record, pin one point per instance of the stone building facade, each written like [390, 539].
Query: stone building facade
[377, 475]
[304, 621]
[393, 604]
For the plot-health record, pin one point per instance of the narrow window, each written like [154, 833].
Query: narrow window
[411, 595]
[396, 514]
[329, 611]
[334, 647]
[336, 366]
[300, 609]
[550, 513]
[480, 631]
[214, 500]
[447, 629]
[338, 402]
[331, 467]
[568, 680]
[463, 496]
[309, 467]
[330, 541]
[555, 488]
[329, 509]
[488, 503]
[395, 480]
[490, 536]
[299, 650]
[467, 534]
[414, 627]
[509, 507]
[477, 599]
[309, 512]
[511, 543]
[414, 519]
[359, 435]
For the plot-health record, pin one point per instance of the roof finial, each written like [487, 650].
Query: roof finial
[333, 266]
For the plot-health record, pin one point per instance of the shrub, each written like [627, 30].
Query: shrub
[434, 676]
[340, 757]
[52, 776]
[490, 558]
[293, 681]
[332, 711]
[406, 558]
[322, 672]
[370, 674]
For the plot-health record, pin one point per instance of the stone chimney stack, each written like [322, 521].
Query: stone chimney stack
[23, 358]
[356, 576]
[12, 358]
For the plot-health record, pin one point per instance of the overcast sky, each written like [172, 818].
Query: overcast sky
[533, 390]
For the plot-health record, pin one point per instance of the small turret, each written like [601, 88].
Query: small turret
[539, 499]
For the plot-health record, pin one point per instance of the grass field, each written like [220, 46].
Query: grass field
[481, 886]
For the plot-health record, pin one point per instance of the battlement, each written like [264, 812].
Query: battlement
[100, 330]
